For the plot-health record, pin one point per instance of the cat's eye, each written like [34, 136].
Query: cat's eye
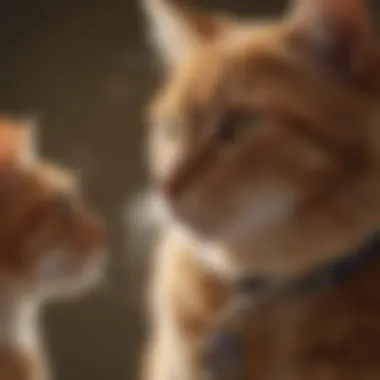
[233, 125]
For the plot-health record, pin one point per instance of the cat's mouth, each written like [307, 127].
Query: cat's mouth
[58, 274]
[190, 218]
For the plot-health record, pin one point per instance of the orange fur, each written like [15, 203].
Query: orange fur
[18, 365]
[50, 242]
[296, 185]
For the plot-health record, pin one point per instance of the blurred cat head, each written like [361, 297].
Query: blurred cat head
[51, 241]
[262, 128]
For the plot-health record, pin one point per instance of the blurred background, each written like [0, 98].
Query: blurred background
[86, 69]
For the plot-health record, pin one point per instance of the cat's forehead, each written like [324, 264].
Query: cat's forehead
[244, 62]
[255, 66]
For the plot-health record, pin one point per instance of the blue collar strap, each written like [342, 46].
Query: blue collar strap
[329, 273]
[223, 350]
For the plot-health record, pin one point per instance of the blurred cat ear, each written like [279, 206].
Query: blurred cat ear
[17, 141]
[336, 31]
[28, 151]
[176, 29]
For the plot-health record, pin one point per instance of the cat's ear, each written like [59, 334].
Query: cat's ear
[28, 151]
[17, 141]
[337, 32]
[176, 29]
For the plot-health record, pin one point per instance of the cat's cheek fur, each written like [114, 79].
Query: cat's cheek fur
[249, 213]
[254, 214]
[266, 210]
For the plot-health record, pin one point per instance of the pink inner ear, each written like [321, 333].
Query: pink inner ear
[351, 12]
[336, 33]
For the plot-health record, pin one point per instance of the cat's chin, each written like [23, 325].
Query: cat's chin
[85, 279]
[68, 279]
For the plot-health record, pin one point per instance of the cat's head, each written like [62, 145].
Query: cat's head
[51, 241]
[262, 123]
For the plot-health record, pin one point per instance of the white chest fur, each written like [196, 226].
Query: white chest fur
[17, 322]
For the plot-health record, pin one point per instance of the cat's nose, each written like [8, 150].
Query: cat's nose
[186, 171]
[92, 237]
[170, 188]
[173, 187]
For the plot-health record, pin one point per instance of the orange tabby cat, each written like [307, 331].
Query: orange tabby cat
[50, 243]
[265, 149]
